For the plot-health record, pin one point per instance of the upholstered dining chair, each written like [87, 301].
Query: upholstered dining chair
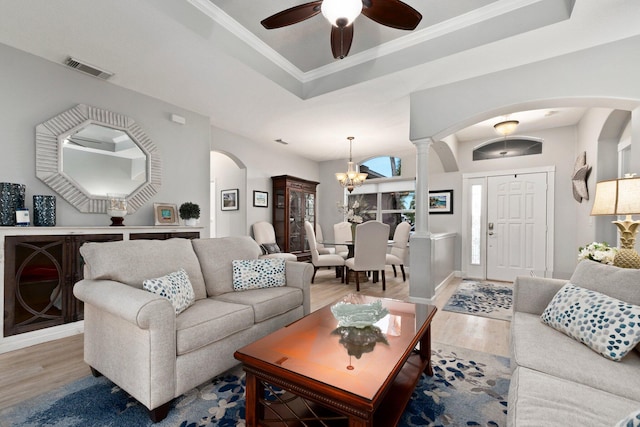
[399, 248]
[322, 250]
[341, 234]
[327, 260]
[265, 236]
[370, 250]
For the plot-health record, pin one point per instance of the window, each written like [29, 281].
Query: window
[476, 223]
[394, 207]
[382, 167]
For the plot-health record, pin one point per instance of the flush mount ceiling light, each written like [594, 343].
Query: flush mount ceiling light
[506, 127]
[352, 178]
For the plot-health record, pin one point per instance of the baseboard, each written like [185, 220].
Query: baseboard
[27, 339]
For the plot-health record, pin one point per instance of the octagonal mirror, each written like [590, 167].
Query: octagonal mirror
[85, 153]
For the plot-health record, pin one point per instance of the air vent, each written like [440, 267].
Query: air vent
[88, 69]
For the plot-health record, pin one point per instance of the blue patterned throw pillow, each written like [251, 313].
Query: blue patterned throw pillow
[258, 273]
[175, 287]
[607, 325]
[632, 420]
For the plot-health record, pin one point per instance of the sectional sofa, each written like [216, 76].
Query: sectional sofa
[134, 337]
[559, 381]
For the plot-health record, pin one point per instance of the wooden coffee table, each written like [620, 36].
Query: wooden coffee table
[342, 376]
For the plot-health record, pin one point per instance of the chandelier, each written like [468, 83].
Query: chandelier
[352, 178]
[341, 13]
[507, 127]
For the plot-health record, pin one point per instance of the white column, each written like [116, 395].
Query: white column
[635, 142]
[422, 288]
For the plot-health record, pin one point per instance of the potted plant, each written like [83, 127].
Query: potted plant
[189, 212]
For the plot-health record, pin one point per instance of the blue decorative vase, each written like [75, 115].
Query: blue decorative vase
[44, 211]
[11, 198]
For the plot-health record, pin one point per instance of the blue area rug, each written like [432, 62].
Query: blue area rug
[482, 299]
[468, 389]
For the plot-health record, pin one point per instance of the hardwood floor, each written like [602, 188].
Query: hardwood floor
[28, 372]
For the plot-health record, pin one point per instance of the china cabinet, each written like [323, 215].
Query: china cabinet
[294, 202]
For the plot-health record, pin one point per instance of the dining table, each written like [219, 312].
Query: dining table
[350, 244]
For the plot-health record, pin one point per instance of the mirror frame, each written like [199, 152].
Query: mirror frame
[49, 137]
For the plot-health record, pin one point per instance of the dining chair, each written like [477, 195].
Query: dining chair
[322, 250]
[399, 248]
[370, 250]
[326, 260]
[341, 234]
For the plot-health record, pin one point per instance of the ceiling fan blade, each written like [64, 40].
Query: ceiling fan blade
[292, 15]
[341, 38]
[392, 13]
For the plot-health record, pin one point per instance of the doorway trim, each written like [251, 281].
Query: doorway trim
[479, 271]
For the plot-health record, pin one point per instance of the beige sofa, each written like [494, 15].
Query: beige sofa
[135, 338]
[558, 381]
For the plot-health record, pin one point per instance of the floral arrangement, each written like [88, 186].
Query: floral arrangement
[599, 252]
[353, 213]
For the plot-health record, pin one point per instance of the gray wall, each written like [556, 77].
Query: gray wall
[34, 90]
[260, 163]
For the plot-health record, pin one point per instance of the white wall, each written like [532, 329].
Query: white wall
[261, 162]
[34, 90]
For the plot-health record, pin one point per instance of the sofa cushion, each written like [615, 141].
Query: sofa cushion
[208, 321]
[537, 346]
[631, 420]
[607, 325]
[216, 256]
[133, 261]
[175, 287]
[539, 399]
[267, 302]
[616, 282]
[258, 273]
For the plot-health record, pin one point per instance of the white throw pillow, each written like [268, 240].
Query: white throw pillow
[607, 325]
[631, 420]
[175, 287]
[258, 273]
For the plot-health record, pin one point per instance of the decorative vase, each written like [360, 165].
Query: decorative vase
[44, 211]
[11, 199]
[191, 222]
[353, 231]
[117, 208]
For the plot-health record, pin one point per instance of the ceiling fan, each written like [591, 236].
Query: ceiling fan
[342, 13]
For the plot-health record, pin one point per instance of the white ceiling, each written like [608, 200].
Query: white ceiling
[213, 57]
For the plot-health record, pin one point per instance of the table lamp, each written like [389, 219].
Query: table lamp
[621, 197]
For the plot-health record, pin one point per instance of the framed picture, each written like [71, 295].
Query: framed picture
[260, 199]
[229, 200]
[441, 202]
[166, 214]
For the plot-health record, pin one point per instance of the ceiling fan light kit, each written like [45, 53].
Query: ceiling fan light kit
[342, 13]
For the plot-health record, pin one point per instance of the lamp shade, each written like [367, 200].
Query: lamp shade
[617, 197]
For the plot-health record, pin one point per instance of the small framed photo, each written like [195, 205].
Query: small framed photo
[261, 199]
[166, 214]
[441, 202]
[229, 200]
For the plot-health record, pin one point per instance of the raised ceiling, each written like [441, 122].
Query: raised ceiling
[213, 57]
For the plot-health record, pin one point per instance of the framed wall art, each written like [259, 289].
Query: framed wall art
[166, 214]
[260, 199]
[441, 202]
[229, 200]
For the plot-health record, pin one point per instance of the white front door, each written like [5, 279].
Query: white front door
[516, 225]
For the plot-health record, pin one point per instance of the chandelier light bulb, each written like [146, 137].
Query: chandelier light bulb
[353, 177]
[341, 13]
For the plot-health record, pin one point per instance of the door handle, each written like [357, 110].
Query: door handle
[491, 233]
